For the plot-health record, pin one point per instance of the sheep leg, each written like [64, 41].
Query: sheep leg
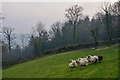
[90, 62]
[69, 69]
[87, 65]
[95, 61]
[80, 68]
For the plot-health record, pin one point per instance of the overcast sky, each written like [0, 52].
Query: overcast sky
[25, 15]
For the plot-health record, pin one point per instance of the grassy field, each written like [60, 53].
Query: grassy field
[56, 66]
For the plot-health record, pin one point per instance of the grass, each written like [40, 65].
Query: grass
[56, 66]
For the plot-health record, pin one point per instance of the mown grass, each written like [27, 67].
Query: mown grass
[56, 66]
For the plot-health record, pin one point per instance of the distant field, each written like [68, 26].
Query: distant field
[56, 66]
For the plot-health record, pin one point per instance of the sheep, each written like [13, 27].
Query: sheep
[83, 62]
[72, 61]
[72, 64]
[100, 58]
[92, 58]
[82, 59]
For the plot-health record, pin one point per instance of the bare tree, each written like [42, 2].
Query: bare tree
[56, 33]
[73, 14]
[55, 29]
[116, 12]
[23, 40]
[94, 34]
[96, 20]
[40, 28]
[116, 8]
[107, 9]
[9, 35]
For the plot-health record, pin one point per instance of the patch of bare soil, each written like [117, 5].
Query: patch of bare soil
[101, 48]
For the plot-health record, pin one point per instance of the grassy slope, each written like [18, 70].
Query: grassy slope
[56, 66]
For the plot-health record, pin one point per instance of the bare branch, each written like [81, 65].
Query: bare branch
[73, 13]
[8, 33]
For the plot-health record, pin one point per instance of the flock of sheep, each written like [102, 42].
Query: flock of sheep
[84, 61]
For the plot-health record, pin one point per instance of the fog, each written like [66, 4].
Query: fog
[24, 15]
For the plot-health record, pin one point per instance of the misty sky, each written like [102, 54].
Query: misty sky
[25, 15]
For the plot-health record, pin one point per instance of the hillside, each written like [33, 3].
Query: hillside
[56, 66]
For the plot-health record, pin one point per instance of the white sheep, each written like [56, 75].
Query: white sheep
[82, 62]
[92, 58]
[72, 64]
[82, 59]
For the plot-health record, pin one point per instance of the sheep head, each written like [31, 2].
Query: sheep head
[74, 63]
[71, 61]
[89, 57]
[77, 61]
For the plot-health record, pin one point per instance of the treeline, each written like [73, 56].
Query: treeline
[7, 64]
[78, 29]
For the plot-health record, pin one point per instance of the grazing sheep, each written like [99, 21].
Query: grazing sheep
[82, 59]
[92, 58]
[100, 58]
[82, 62]
[71, 61]
[72, 64]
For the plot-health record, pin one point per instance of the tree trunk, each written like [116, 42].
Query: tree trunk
[96, 36]
[118, 26]
[108, 26]
[40, 47]
[95, 40]
[9, 44]
[74, 34]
